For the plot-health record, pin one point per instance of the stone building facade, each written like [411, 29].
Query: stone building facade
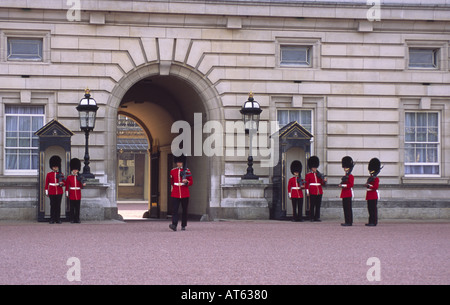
[366, 80]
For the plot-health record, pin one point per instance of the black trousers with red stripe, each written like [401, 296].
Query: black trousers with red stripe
[176, 202]
[55, 207]
[314, 210]
[75, 210]
[348, 212]
[373, 211]
[297, 203]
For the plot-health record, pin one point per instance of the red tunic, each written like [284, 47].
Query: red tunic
[372, 189]
[347, 188]
[52, 186]
[294, 189]
[179, 189]
[73, 188]
[313, 184]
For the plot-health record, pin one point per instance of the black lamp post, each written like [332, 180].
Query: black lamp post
[251, 112]
[87, 110]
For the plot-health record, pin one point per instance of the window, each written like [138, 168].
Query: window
[21, 145]
[422, 143]
[423, 58]
[295, 55]
[303, 117]
[27, 49]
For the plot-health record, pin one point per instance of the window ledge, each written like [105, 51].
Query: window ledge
[425, 180]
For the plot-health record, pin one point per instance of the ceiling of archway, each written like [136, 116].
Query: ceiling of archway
[158, 101]
[169, 92]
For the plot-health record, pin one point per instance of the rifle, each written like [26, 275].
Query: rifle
[373, 176]
[321, 176]
[300, 181]
[81, 179]
[344, 179]
[184, 173]
[60, 177]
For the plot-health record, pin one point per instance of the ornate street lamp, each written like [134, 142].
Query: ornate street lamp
[87, 110]
[251, 112]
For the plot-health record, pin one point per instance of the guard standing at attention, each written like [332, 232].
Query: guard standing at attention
[295, 190]
[74, 184]
[54, 183]
[372, 194]
[314, 181]
[346, 184]
[180, 179]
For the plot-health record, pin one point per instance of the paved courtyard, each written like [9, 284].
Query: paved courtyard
[225, 252]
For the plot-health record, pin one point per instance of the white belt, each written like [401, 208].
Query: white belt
[296, 188]
[75, 188]
[317, 184]
[54, 184]
[178, 184]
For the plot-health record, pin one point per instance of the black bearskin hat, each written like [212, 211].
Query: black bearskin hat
[313, 162]
[296, 167]
[347, 162]
[55, 161]
[374, 165]
[75, 163]
[181, 158]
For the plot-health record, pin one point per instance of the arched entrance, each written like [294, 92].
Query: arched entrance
[156, 102]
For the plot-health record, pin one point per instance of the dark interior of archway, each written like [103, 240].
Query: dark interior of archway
[170, 92]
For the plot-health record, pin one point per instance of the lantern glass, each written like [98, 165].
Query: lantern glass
[250, 114]
[91, 119]
[87, 119]
[87, 109]
[83, 119]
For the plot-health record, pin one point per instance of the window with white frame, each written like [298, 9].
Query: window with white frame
[422, 143]
[21, 145]
[425, 58]
[303, 117]
[24, 49]
[296, 55]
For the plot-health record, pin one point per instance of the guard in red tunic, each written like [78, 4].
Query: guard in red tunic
[74, 184]
[372, 194]
[54, 183]
[295, 190]
[314, 181]
[346, 184]
[180, 179]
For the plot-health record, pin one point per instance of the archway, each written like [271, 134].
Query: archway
[156, 102]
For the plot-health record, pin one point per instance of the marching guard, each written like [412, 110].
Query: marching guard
[346, 184]
[295, 186]
[314, 181]
[74, 184]
[180, 179]
[54, 183]
[372, 194]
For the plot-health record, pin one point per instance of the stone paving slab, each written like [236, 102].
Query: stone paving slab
[225, 252]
